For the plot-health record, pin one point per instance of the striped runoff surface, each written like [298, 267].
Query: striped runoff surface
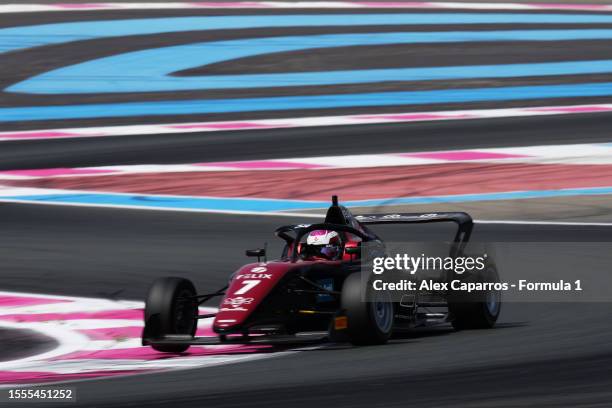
[242, 62]
[238, 125]
[98, 338]
[294, 184]
[560, 154]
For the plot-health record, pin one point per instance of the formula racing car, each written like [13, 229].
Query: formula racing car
[314, 291]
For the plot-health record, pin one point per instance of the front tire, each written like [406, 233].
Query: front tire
[167, 312]
[369, 323]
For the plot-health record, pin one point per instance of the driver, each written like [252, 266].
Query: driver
[323, 244]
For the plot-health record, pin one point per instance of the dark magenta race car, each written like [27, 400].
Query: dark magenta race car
[314, 291]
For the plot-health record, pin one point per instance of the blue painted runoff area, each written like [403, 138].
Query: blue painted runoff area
[274, 205]
[208, 106]
[24, 37]
[150, 70]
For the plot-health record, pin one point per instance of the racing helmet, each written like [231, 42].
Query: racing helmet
[324, 244]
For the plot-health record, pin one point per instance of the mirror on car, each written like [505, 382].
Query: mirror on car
[256, 252]
[353, 250]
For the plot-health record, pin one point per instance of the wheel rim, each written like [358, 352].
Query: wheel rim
[382, 310]
[492, 302]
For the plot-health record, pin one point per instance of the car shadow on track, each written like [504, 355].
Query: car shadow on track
[425, 332]
[414, 335]
[397, 339]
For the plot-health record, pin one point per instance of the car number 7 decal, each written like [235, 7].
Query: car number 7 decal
[247, 285]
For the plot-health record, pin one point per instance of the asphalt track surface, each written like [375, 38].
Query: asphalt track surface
[548, 355]
[23, 343]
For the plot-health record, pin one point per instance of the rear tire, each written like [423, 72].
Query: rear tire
[369, 323]
[166, 312]
[478, 310]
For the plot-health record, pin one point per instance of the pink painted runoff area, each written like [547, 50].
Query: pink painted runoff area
[101, 338]
[147, 353]
[130, 314]
[463, 177]
[510, 5]
[114, 333]
[235, 4]
[571, 6]
[39, 135]
[54, 172]
[34, 377]
[18, 301]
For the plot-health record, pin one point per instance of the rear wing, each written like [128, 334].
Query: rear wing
[463, 220]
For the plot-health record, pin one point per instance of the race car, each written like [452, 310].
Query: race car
[314, 291]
